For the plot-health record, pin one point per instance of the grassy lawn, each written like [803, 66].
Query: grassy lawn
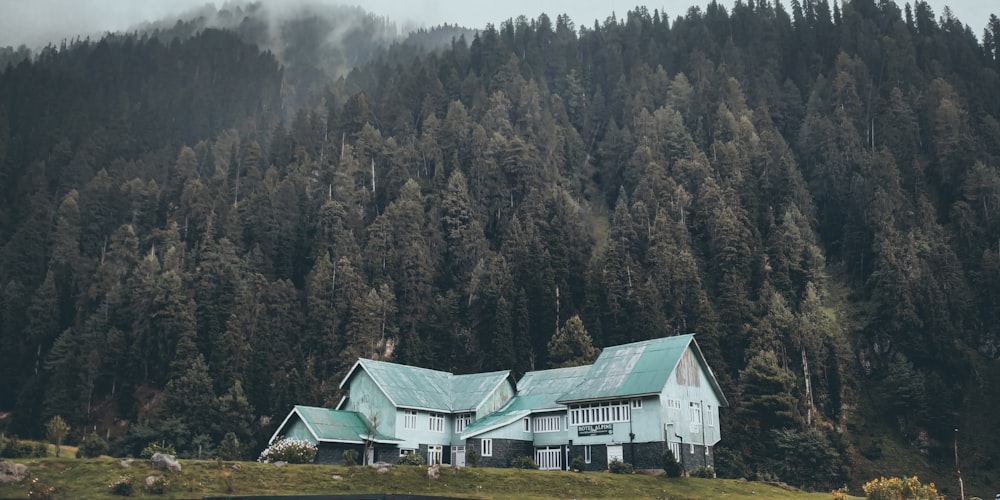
[89, 478]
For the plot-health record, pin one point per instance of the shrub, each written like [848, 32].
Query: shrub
[730, 464]
[412, 459]
[92, 446]
[158, 486]
[671, 467]
[704, 472]
[472, 457]
[230, 448]
[38, 489]
[291, 450]
[123, 486]
[350, 457]
[56, 430]
[154, 448]
[840, 493]
[578, 464]
[523, 462]
[16, 448]
[201, 447]
[895, 488]
[618, 467]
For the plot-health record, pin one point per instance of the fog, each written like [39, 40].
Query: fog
[37, 22]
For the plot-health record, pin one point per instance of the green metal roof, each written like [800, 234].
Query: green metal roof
[421, 388]
[468, 391]
[334, 425]
[536, 392]
[636, 369]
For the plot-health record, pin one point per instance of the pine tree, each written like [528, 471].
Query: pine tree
[572, 346]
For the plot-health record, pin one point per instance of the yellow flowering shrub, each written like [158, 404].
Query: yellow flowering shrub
[895, 488]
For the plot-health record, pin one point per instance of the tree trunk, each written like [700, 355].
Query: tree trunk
[809, 395]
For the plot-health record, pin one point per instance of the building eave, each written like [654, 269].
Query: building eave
[606, 398]
[490, 393]
[295, 411]
[350, 374]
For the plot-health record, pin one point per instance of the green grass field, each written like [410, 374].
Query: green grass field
[89, 478]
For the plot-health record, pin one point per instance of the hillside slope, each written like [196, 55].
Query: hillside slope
[814, 192]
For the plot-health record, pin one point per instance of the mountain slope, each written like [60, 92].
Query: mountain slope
[813, 192]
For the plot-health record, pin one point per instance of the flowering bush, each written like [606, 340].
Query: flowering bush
[158, 485]
[840, 493]
[291, 450]
[124, 485]
[895, 488]
[38, 489]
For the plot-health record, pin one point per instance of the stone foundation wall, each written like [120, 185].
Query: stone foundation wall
[504, 450]
[333, 453]
[698, 459]
[644, 456]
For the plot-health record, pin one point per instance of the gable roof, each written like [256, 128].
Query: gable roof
[334, 426]
[425, 389]
[637, 369]
[536, 392]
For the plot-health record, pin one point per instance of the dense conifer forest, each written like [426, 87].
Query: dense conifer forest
[199, 229]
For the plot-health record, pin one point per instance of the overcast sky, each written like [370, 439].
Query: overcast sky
[36, 22]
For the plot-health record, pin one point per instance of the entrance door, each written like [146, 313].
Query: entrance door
[548, 458]
[458, 456]
[434, 454]
[615, 453]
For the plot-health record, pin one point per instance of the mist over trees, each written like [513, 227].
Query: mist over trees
[196, 234]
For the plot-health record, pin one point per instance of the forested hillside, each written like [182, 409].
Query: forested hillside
[194, 237]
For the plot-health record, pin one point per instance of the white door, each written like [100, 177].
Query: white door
[615, 453]
[458, 456]
[434, 455]
[548, 458]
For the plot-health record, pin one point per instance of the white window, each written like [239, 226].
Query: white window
[437, 422]
[406, 451]
[548, 424]
[410, 419]
[599, 413]
[526, 424]
[461, 421]
[695, 416]
[586, 454]
[636, 404]
[434, 454]
[673, 404]
[675, 448]
[487, 448]
[709, 416]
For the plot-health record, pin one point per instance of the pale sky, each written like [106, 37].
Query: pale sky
[36, 22]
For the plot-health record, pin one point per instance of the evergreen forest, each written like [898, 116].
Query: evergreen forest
[203, 223]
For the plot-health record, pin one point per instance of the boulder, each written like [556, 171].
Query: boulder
[11, 472]
[338, 477]
[126, 463]
[151, 480]
[434, 472]
[164, 461]
[382, 470]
